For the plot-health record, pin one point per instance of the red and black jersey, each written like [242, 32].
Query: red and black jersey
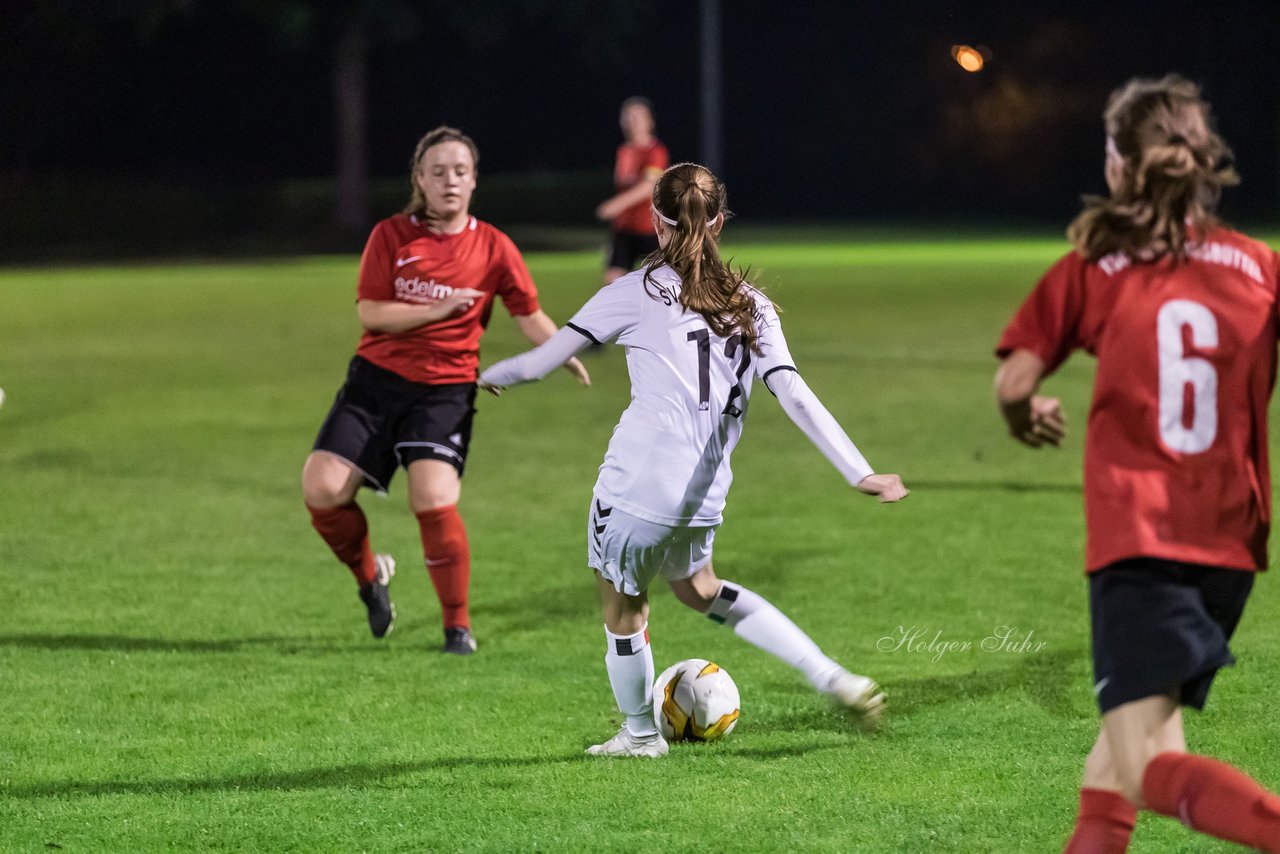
[405, 261]
[634, 163]
[1175, 454]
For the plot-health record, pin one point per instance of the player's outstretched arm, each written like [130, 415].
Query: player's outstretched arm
[807, 412]
[1033, 419]
[533, 364]
[614, 206]
[538, 327]
[887, 487]
[391, 316]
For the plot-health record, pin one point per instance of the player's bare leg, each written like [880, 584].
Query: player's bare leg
[1135, 734]
[1106, 817]
[754, 619]
[434, 490]
[1148, 753]
[629, 660]
[613, 273]
[329, 487]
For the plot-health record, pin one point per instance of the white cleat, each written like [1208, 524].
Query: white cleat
[626, 744]
[374, 595]
[861, 697]
[384, 568]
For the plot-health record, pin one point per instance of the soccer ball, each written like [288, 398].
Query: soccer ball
[695, 700]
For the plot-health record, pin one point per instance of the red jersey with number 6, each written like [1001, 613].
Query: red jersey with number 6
[1175, 461]
[405, 261]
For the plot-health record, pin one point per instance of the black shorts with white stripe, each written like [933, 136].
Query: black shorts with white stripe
[380, 420]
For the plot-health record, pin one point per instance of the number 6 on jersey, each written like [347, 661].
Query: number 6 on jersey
[1187, 382]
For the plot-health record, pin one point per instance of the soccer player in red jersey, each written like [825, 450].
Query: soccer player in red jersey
[1181, 313]
[427, 284]
[640, 162]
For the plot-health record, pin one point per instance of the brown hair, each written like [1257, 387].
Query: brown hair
[1175, 169]
[637, 101]
[691, 196]
[418, 202]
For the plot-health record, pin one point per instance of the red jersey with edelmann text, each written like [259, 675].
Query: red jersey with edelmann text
[407, 262]
[634, 163]
[1175, 460]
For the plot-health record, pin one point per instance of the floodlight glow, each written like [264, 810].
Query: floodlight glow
[969, 58]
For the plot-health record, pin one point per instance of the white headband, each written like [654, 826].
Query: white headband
[671, 222]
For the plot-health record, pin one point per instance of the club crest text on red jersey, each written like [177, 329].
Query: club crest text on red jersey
[406, 261]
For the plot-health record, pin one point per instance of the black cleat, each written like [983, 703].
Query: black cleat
[458, 641]
[382, 613]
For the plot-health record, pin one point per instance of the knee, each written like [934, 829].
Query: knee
[323, 489]
[696, 599]
[422, 500]
[322, 496]
[626, 623]
[432, 485]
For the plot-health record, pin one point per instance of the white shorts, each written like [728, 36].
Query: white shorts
[630, 551]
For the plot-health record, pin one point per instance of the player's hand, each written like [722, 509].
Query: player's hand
[607, 211]
[494, 390]
[887, 487]
[459, 301]
[1037, 421]
[579, 370]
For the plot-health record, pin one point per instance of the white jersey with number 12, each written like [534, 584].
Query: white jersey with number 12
[668, 460]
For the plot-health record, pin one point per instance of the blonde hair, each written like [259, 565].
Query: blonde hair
[691, 197]
[1176, 167]
[417, 201]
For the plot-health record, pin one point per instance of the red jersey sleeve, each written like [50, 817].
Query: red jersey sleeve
[515, 285]
[1048, 323]
[377, 265]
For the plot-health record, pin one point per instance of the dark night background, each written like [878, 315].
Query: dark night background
[135, 127]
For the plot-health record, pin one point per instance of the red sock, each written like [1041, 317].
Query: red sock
[1213, 798]
[1104, 824]
[444, 544]
[347, 533]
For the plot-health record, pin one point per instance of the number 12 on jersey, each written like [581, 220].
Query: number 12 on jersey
[733, 346]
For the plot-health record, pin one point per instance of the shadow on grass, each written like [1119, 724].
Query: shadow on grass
[338, 777]
[1041, 676]
[992, 486]
[118, 643]
[541, 608]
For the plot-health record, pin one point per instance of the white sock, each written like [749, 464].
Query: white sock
[629, 659]
[758, 622]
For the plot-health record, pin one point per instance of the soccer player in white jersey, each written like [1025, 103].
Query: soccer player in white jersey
[696, 335]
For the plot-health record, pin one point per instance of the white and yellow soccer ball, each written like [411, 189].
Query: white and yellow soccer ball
[695, 700]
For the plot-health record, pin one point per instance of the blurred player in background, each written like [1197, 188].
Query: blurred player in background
[696, 336]
[640, 161]
[428, 279]
[1181, 313]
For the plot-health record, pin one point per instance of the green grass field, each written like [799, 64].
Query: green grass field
[183, 666]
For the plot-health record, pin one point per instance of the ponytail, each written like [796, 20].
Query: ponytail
[689, 199]
[1175, 167]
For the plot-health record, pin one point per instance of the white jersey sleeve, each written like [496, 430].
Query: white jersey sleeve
[611, 314]
[777, 370]
[536, 363]
[774, 354]
[807, 412]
